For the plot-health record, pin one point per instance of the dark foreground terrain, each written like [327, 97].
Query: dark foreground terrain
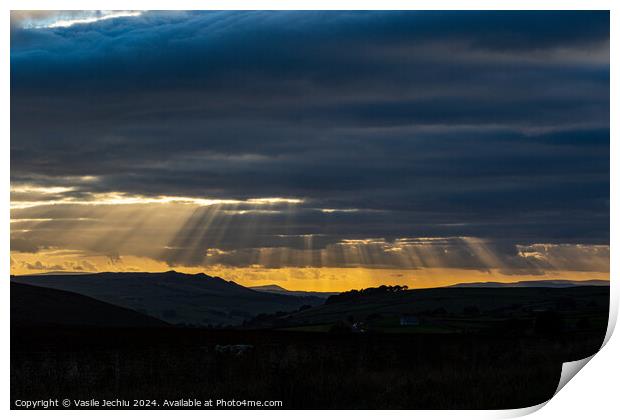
[450, 358]
[40, 306]
[303, 370]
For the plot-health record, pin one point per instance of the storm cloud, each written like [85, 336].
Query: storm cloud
[389, 125]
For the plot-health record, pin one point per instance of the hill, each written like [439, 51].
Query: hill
[175, 297]
[537, 283]
[274, 288]
[449, 309]
[39, 306]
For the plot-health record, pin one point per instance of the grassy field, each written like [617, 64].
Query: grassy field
[309, 370]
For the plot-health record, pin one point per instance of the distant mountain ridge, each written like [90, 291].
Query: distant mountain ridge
[62, 273]
[537, 283]
[176, 298]
[274, 288]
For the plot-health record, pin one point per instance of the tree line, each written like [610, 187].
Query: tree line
[371, 291]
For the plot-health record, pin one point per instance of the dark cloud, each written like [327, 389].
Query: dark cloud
[431, 124]
[24, 245]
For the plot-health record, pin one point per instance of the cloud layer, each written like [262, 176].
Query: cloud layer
[391, 125]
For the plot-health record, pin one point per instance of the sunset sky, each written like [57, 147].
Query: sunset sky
[315, 150]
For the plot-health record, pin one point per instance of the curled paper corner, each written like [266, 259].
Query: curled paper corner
[613, 317]
[569, 370]
[521, 412]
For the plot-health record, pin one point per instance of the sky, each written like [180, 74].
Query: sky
[314, 150]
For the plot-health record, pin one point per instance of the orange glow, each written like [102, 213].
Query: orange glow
[331, 279]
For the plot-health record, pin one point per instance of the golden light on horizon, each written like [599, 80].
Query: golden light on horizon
[327, 279]
[259, 241]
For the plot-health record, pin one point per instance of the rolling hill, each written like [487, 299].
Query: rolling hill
[174, 297]
[499, 303]
[39, 306]
[274, 288]
[537, 283]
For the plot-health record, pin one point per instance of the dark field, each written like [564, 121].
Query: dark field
[459, 349]
[303, 370]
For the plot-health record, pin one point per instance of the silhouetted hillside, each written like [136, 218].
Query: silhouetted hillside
[537, 283]
[274, 288]
[38, 306]
[450, 309]
[175, 297]
[458, 348]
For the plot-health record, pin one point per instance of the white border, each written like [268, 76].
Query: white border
[592, 394]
